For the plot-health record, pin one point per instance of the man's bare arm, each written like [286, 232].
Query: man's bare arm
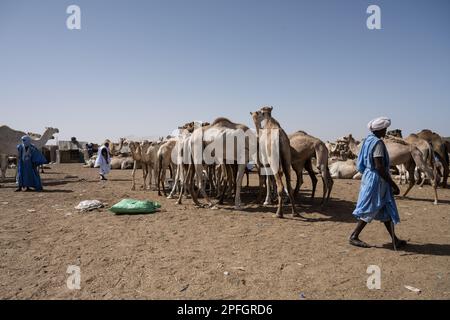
[385, 175]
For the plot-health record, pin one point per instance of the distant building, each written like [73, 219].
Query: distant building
[71, 151]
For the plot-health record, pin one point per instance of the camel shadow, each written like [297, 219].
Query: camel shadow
[440, 201]
[424, 249]
[56, 191]
[336, 210]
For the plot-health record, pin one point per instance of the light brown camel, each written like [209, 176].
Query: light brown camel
[164, 156]
[213, 135]
[275, 155]
[177, 157]
[440, 150]
[9, 139]
[402, 153]
[149, 152]
[427, 151]
[344, 170]
[136, 154]
[303, 148]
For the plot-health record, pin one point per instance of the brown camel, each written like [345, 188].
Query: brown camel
[275, 155]
[402, 153]
[440, 151]
[303, 148]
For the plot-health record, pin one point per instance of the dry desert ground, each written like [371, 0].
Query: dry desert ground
[184, 252]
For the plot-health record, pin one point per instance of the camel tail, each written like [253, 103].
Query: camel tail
[420, 163]
[160, 161]
[322, 155]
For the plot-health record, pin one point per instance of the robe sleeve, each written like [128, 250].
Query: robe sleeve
[37, 158]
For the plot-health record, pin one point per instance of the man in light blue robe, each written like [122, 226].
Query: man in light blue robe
[376, 197]
[29, 158]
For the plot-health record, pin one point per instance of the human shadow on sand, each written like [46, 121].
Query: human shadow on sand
[433, 249]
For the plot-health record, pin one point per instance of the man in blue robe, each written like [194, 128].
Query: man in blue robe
[29, 158]
[376, 197]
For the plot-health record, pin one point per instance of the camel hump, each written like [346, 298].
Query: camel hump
[396, 140]
[221, 120]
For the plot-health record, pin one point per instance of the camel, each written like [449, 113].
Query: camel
[115, 148]
[207, 136]
[9, 139]
[344, 170]
[164, 157]
[303, 148]
[440, 151]
[402, 153]
[425, 147]
[136, 154]
[178, 154]
[278, 160]
[150, 159]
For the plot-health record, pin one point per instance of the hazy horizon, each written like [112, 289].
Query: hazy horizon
[143, 68]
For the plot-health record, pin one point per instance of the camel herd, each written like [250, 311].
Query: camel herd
[422, 156]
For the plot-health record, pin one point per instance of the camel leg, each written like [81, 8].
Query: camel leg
[3, 166]
[158, 180]
[163, 179]
[446, 173]
[312, 175]
[240, 177]
[248, 177]
[268, 200]
[151, 169]
[412, 180]
[201, 183]
[299, 182]
[289, 188]
[330, 185]
[133, 184]
[183, 180]
[176, 183]
[280, 189]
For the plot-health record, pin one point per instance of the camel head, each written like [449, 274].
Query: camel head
[267, 111]
[51, 131]
[257, 118]
[135, 148]
[33, 135]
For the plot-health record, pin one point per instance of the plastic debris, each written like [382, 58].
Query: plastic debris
[132, 206]
[302, 295]
[239, 268]
[226, 273]
[31, 210]
[416, 290]
[184, 288]
[89, 205]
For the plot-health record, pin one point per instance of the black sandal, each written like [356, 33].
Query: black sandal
[359, 243]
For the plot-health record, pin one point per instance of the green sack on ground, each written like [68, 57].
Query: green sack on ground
[130, 206]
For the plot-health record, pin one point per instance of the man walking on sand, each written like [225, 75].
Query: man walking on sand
[103, 161]
[376, 197]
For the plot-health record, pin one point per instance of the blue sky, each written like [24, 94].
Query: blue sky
[144, 67]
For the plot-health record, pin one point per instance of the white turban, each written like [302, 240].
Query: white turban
[379, 124]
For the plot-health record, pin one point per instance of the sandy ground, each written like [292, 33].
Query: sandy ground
[183, 252]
